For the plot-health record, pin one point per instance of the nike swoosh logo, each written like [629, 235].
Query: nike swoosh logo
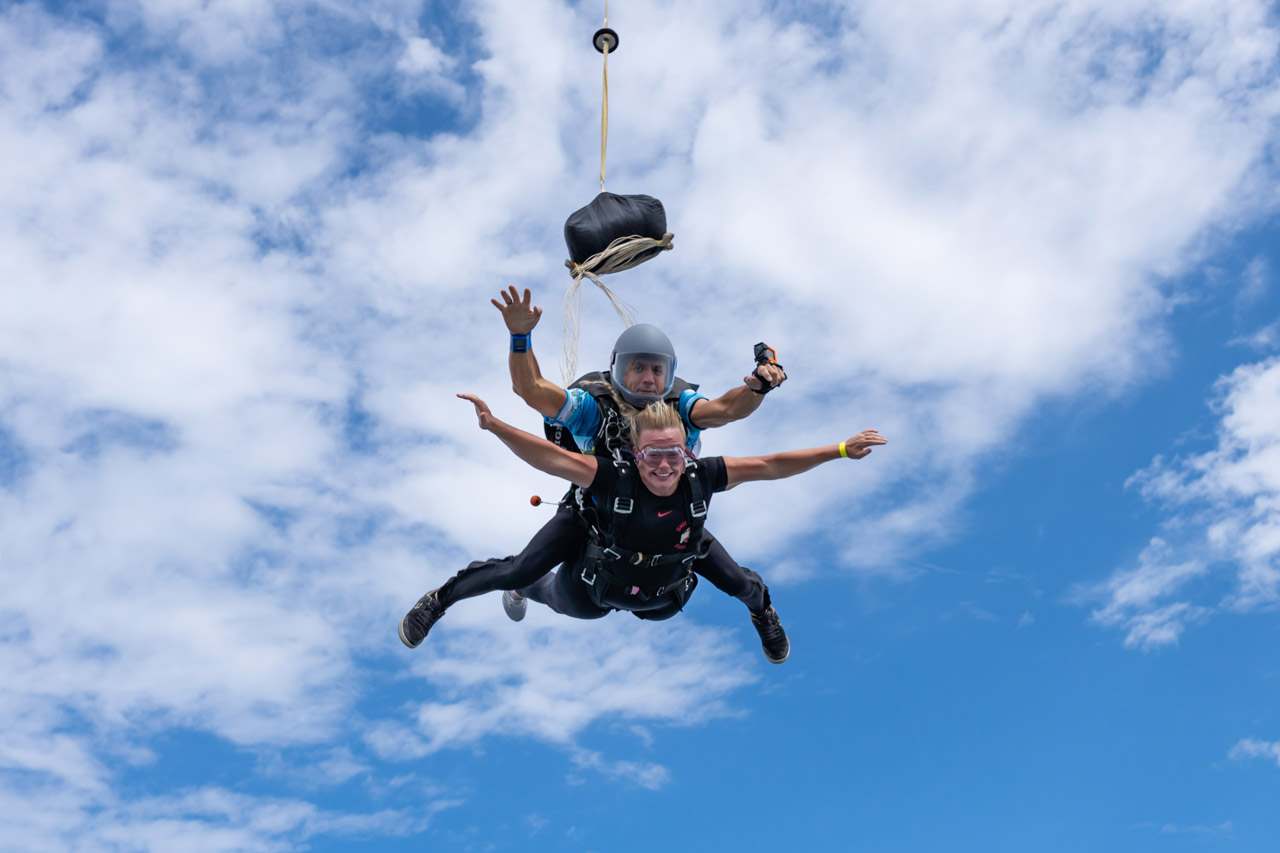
[665, 514]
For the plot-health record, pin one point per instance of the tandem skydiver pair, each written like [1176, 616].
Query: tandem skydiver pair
[630, 534]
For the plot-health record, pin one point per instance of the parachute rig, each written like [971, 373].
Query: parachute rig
[611, 234]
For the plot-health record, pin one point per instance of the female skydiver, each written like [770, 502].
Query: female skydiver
[646, 543]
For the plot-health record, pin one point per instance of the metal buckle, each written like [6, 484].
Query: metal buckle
[654, 560]
[591, 581]
[623, 506]
[684, 581]
[611, 554]
[698, 509]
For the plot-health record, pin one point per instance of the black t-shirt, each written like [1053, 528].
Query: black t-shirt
[659, 525]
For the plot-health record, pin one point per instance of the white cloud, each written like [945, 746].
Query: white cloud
[1137, 599]
[1256, 282]
[641, 773]
[421, 57]
[1224, 509]
[1248, 748]
[1196, 830]
[209, 818]
[551, 680]
[243, 306]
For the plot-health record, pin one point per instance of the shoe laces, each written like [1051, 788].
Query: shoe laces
[428, 613]
[770, 625]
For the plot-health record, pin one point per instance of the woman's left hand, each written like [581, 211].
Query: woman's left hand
[860, 445]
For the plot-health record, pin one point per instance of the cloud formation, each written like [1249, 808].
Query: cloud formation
[1249, 747]
[1224, 509]
[248, 250]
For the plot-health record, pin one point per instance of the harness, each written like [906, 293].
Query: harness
[603, 558]
[611, 435]
[607, 521]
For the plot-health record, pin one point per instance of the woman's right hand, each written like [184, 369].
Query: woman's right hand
[482, 410]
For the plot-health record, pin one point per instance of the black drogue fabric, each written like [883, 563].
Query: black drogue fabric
[591, 229]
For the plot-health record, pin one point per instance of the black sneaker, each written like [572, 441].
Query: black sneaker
[418, 621]
[772, 638]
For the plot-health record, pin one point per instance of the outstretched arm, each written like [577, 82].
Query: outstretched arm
[736, 403]
[733, 405]
[521, 316]
[577, 468]
[779, 466]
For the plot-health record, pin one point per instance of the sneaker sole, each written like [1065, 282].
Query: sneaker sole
[784, 657]
[405, 639]
[515, 612]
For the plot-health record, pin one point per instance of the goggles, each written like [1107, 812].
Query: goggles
[652, 457]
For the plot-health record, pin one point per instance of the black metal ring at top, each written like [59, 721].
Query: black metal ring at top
[603, 38]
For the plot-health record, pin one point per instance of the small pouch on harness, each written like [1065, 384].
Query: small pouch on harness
[611, 592]
[674, 599]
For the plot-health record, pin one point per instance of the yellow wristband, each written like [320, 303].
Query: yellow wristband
[844, 453]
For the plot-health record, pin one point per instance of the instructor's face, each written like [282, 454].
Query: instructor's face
[646, 375]
[663, 477]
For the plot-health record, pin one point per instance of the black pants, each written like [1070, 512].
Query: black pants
[561, 541]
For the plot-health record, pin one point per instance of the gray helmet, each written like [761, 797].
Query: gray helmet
[649, 344]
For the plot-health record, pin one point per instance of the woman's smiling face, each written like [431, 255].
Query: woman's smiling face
[660, 474]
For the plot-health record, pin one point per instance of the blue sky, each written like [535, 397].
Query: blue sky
[246, 257]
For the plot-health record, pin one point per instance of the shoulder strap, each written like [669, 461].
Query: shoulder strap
[616, 508]
[611, 436]
[558, 435]
[695, 493]
[679, 386]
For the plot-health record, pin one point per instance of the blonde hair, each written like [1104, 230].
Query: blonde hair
[657, 415]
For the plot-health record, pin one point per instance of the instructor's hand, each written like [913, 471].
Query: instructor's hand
[483, 414]
[772, 374]
[860, 445]
[520, 315]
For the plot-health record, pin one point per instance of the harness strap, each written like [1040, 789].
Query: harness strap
[596, 574]
[616, 554]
